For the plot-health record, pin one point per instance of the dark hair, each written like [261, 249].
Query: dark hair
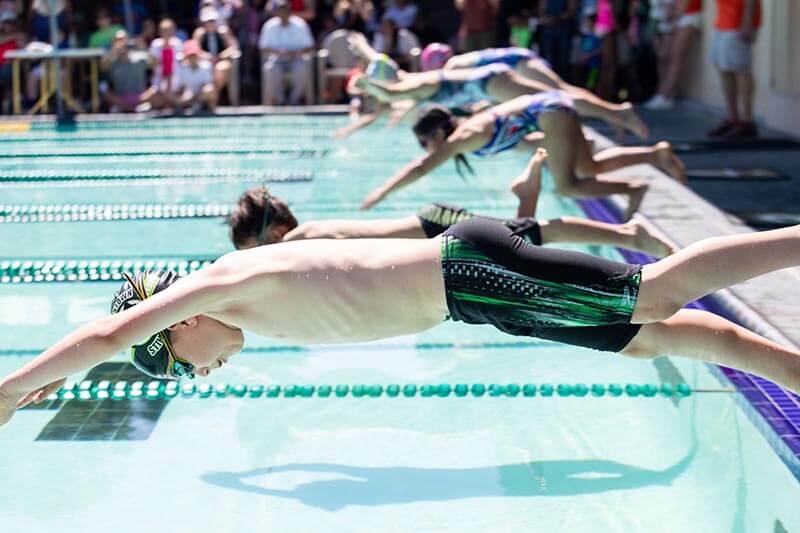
[437, 117]
[255, 206]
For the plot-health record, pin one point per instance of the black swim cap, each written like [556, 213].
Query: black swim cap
[153, 356]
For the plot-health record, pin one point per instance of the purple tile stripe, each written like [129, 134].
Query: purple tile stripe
[774, 410]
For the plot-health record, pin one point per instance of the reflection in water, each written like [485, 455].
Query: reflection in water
[364, 485]
[392, 485]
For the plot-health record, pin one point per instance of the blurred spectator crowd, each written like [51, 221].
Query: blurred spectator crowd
[183, 55]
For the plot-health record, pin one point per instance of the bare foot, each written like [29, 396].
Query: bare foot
[671, 163]
[527, 186]
[528, 183]
[632, 122]
[649, 240]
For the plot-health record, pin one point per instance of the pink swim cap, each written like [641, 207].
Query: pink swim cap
[435, 55]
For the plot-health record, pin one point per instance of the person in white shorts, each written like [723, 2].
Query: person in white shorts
[731, 52]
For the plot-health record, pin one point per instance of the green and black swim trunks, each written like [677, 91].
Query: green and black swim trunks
[493, 276]
[436, 218]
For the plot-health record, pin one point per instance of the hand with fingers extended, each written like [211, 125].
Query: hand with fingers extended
[10, 402]
[40, 395]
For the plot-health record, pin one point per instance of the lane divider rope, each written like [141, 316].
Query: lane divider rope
[101, 212]
[156, 150]
[153, 390]
[124, 174]
[49, 271]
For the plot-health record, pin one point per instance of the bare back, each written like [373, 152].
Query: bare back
[329, 291]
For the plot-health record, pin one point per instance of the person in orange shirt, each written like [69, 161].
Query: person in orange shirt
[735, 32]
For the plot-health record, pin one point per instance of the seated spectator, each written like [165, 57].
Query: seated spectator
[476, 31]
[286, 41]
[387, 40]
[219, 43]
[163, 50]
[195, 81]
[305, 9]
[127, 73]
[106, 29]
[402, 12]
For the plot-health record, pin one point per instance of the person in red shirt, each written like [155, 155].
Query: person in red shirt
[10, 39]
[732, 50]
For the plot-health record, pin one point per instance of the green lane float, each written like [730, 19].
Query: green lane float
[154, 390]
[95, 270]
[101, 212]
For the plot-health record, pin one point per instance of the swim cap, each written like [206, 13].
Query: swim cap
[155, 356]
[435, 55]
[383, 68]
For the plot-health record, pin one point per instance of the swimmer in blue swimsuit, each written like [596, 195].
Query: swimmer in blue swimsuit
[494, 83]
[529, 65]
[260, 218]
[525, 122]
[509, 56]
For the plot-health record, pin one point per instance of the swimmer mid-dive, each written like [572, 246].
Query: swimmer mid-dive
[528, 64]
[493, 82]
[477, 272]
[260, 218]
[575, 170]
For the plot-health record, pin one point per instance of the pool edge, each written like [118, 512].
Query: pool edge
[759, 398]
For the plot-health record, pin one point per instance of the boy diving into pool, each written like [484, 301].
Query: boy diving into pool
[260, 218]
[477, 272]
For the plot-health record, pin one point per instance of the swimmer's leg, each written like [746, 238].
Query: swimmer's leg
[711, 264]
[569, 153]
[659, 155]
[709, 337]
[633, 235]
[508, 85]
[587, 104]
[528, 185]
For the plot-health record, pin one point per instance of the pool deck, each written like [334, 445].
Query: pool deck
[765, 304]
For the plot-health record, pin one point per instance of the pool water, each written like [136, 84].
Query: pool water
[340, 464]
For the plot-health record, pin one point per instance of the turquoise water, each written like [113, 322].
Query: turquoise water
[403, 464]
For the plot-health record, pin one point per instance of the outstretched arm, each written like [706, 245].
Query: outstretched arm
[412, 172]
[99, 340]
[361, 122]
